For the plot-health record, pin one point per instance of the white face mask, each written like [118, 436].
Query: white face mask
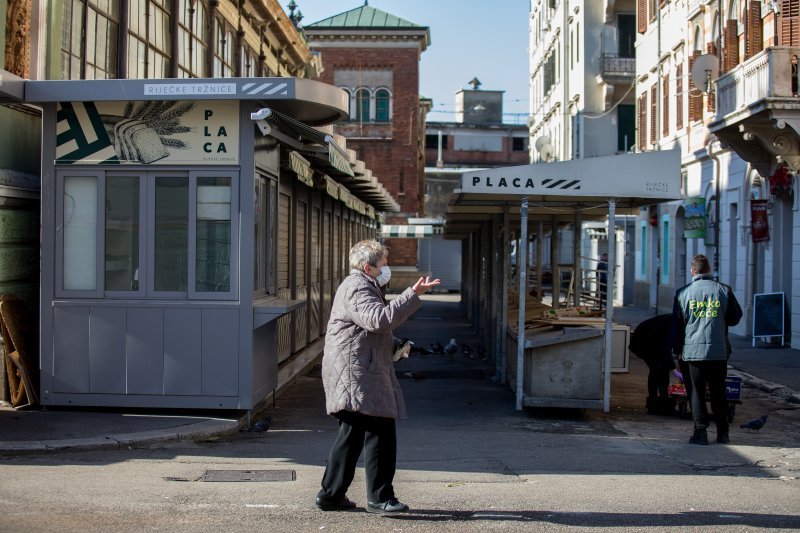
[385, 275]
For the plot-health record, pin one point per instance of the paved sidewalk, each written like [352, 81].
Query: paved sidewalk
[774, 371]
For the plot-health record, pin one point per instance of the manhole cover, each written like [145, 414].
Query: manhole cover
[249, 475]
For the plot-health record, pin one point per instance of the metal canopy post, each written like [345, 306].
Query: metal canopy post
[612, 260]
[522, 265]
[506, 262]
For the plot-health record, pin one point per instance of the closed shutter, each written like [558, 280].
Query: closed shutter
[641, 122]
[300, 245]
[712, 49]
[730, 55]
[754, 38]
[337, 249]
[679, 98]
[790, 23]
[327, 268]
[314, 300]
[695, 96]
[653, 113]
[665, 104]
[641, 15]
[283, 241]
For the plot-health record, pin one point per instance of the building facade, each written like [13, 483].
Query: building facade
[581, 77]
[739, 148]
[374, 56]
[477, 138]
[248, 226]
[582, 105]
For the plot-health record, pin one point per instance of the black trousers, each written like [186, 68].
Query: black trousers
[711, 373]
[378, 438]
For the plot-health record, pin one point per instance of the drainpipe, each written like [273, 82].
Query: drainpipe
[567, 129]
[715, 157]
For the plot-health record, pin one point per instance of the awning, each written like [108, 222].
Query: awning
[302, 168]
[389, 231]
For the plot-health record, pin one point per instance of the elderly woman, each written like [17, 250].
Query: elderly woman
[361, 389]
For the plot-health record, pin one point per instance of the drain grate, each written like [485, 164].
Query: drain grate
[249, 475]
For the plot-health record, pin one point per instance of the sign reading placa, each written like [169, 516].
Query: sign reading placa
[168, 132]
[645, 175]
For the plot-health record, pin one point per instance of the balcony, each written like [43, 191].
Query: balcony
[615, 69]
[758, 110]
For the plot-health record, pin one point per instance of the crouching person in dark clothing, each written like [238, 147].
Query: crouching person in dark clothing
[702, 312]
[651, 341]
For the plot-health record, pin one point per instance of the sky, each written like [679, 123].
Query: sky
[469, 38]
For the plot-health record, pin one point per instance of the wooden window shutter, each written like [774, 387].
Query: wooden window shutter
[679, 98]
[642, 121]
[665, 105]
[730, 53]
[653, 113]
[790, 23]
[754, 38]
[641, 15]
[712, 49]
[695, 96]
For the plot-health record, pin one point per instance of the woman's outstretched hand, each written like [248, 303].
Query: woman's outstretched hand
[423, 284]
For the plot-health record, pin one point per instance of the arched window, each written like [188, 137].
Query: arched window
[362, 105]
[192, 40]
[383, 105]
[149, 51]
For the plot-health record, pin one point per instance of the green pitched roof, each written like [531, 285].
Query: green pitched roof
[364, 17]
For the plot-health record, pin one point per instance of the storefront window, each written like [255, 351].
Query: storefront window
[213, 230]
[80, 233]
[122, 234]
[171, 234]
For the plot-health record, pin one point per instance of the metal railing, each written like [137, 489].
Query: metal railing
[771, 73]
[614, 66]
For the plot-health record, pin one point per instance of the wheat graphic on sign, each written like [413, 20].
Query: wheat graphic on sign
[142, 133]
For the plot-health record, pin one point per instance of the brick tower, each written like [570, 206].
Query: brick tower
[374, 56]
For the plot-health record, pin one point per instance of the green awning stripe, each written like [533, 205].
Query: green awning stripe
[406, 231]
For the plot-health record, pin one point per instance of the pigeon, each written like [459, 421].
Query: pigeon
[415, 375]
[755, 424]
[451, 347]
[465, 349]
[420, 350]
[260, 426]
[437, 348]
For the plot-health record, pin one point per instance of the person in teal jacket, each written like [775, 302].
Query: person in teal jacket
[702, 312]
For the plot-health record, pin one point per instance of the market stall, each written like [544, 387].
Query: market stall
[493, 202]
[193, 234]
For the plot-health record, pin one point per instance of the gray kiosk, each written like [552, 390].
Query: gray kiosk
[193, 234]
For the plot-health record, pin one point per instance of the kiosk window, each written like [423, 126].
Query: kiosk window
[80, 233]
[213, 235]
[171, 234]
[147, 234]
[122, 204]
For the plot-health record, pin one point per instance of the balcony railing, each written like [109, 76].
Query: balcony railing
[772, 73]
[617, 67]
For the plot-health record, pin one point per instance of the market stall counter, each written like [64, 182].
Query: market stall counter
[562, 367]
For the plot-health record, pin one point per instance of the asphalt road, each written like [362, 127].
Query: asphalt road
[467, 462]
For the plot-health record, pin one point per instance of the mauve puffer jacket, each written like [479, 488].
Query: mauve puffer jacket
[357, 368]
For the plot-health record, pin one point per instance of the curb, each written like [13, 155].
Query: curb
[770, 387]
[197, 431]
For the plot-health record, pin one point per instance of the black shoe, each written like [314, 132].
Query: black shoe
[723, 438]
[387, 508]
[700, 437]
[335, 504]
